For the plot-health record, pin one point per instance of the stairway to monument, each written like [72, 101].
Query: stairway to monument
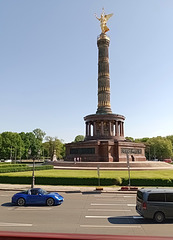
[146, 164]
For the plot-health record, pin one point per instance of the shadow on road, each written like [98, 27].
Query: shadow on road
[8, 204]
[90, 193]
[84, 193]
[135, 220]
[72, 191]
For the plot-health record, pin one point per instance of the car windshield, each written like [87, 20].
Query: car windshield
[43, 192]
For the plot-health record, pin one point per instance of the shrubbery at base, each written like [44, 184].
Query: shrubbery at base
[158, 182]
[86, 181]
[60, 181]
[22, 168]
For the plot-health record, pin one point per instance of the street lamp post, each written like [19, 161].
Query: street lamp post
[33, 175]
[128, 165]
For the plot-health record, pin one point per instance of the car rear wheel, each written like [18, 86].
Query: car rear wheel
[21, 202]
[159, 217]
[50, 202]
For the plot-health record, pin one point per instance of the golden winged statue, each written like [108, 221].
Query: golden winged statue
[103, 20]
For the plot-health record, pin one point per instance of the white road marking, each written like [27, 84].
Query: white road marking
[114, 196]
[110, 226]
[3, 224]
[4, 195]
[108, 210]
[137, 217]
[110, 204]
[116, 200]
[131, 205]
[130, 196]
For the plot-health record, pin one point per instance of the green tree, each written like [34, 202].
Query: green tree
[141, 140]
[130, 139]
[0, 146]
[11, 145]
[159, 147]
[39, 134]
[170, 137]
[79, 138]
[54, 144]
[32, 145]
[0, 141]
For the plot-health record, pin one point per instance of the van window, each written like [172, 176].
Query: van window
[156, 197]
[169, 197]
[139, 195]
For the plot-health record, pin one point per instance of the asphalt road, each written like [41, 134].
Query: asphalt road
[94, 213]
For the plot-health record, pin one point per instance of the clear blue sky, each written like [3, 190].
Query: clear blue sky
[48, 65]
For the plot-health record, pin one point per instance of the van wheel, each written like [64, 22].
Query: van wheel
[159, 217]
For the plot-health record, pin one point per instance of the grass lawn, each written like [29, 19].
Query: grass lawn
[155, 174]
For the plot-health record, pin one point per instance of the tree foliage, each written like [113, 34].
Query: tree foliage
[170, 137]
[79, 138]
[39, 134]
[29, 145]
[142, 140]
[11, 145]
[129, 139]
[157, 147]
[52, 145]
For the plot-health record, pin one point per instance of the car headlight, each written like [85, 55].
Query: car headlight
[57, 197]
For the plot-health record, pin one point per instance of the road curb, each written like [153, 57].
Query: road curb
[76, 191]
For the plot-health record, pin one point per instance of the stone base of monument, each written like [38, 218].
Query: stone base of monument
[143, 165]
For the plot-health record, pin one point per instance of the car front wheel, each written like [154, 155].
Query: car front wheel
[159, 217]
[21, 202]
[50, 202]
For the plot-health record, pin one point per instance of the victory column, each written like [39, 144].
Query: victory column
[104, 138]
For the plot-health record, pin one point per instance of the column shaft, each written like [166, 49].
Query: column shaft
[89, 125]
[102, 130]
[117, 128]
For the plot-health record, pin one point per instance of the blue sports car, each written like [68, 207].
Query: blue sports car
[37, 196]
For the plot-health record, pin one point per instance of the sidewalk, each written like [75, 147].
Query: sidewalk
[67, 189]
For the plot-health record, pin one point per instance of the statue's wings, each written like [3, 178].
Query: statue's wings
[108, 16]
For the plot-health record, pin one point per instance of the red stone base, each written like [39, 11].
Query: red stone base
[105, 151]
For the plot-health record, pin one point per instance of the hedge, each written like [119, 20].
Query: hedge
[60, 181]
[12, 165]
[70, 181]
[155, 182]
[83, 181]
[23, 168]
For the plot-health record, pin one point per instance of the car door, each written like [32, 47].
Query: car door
[156, 203]
[35, 197]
